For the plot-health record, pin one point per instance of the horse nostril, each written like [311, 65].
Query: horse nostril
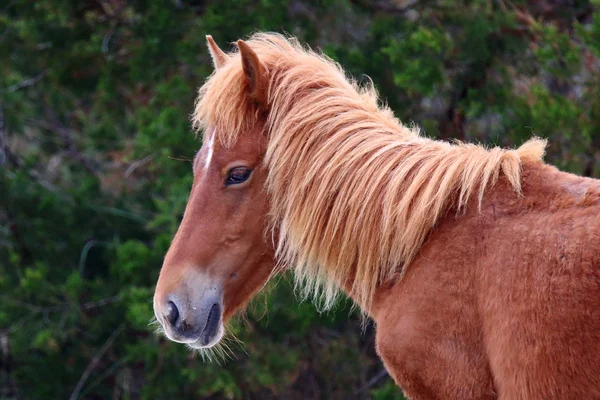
[172, 313]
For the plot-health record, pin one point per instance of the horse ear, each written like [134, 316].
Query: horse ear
[255, 73]
[218, 56]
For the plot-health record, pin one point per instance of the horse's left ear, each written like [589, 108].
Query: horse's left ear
[218, 56]
[256, 73]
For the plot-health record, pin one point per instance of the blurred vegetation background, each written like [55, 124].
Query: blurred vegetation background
[95, 143]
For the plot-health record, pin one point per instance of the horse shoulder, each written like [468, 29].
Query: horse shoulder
[428, 324]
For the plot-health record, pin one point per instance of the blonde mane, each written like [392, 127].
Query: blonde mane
[354, 192]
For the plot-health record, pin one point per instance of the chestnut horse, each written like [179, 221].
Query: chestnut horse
[480, 267]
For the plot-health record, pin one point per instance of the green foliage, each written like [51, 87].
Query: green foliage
[418, 60]
[95, 150]
[386, 392]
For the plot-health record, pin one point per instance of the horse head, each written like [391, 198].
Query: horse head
[220, 255]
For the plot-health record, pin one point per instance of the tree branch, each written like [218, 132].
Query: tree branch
[94, 363]
[373, 381]
[10, 391]
[25, 83]
[66, 135]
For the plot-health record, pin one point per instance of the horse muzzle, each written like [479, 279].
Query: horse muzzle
[195, 322]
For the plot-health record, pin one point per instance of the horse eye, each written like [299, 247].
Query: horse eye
[237, 175]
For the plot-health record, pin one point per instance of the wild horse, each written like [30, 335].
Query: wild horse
[480, 267]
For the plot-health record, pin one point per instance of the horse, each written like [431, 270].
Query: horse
[480, 267]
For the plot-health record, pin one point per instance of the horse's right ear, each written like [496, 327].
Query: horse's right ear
[218, 56]
[255, 73]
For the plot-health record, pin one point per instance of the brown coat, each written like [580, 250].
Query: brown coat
[505, 302]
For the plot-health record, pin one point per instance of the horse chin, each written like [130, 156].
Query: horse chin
[208, 339]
